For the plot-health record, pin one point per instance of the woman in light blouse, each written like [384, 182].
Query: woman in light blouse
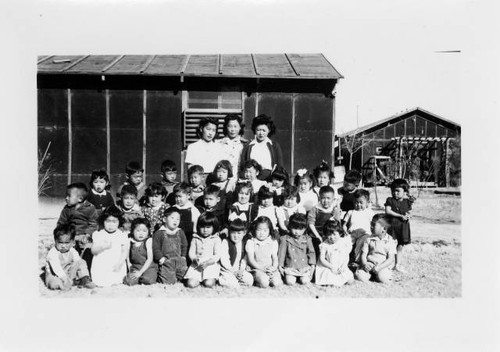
[233, 142]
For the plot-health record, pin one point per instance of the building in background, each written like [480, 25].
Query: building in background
[416, 144]
[101, 111]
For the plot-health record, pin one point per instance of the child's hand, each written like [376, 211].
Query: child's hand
[269, 270]
[135, 275]
[281, 270]
[368, 267]
[375, 269]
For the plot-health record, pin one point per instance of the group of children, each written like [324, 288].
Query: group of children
[225, 229]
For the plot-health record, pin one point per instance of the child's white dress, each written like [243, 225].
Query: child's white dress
[359, 227]
[336, 254]
[103, 263]
[308, 199]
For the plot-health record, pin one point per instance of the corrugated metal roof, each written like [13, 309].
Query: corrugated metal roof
[308, 66]
[380, 123]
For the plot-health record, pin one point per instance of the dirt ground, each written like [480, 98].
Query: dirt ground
[433, 260]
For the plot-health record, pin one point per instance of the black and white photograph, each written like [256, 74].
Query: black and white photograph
[295, 167]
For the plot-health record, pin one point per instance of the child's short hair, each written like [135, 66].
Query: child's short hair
[113, 211]
[362, 193]
[237, 225]
[98, 174]
[263, 119]
[264, 193]
[133, 167]
[281, 174]
[211, 190]
[140, 221]
[326, 189]
[128, 189]
[193, 169]
[155, 189]
[400, 183]
[81, 187]
[64, 230]
[168, 165]
[233, 117]
[263, 220]
[182, 187]
[353, 176]
[207, 219]
[297, 221]
[303, 174]
[224, 164]
[251, 163]
[332, 226]
[382, 219]
[291, 192]
[243, 184]
[323, 167]
[205, 121]
[170, 211]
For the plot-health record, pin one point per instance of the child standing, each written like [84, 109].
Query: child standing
[64, 267]
[81, 214]
[304, 182]
[189, 213]
[279, 182]
[233, 257]
[266, 208]
[290, 206]
[155, 207]
[325, 210]
[358, 221]
[195, 178]
[377, 253]
[99, 195]
[242, 207]
[323, 176]
[334, 256]
[296, 255]
[110, 249]
[128, 205]
[251, 170]
[351, 184]
[135, 176]
[398, 207]
[204, 253]
[212, 204]
[223, 178]
[262, 254]
[170, 248]
[168, 180]
[142, 269]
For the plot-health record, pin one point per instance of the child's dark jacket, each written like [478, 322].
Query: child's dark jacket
[169, 245]
[84, 218]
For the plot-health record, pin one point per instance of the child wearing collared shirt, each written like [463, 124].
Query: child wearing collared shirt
[135, 177]
[296, 255]
[168, 171]
[99, 195]
[290, 206]
[266, 207]
[242, 208]
[233, 257]
[304, 181]
[262, 254]
[155, 207]
[189, 213]
[170, 248]
[204, 253]
[358, 221]
[195, 178]
[128, 205]
[378, 253]
[251, 170]
[223, 178]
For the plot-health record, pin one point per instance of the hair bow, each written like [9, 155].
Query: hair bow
[301, 172]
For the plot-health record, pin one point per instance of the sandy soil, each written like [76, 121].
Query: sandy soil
[434, 260]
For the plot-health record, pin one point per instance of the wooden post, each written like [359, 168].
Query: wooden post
[292, 146]
[70, 137]
[447, 162]
[144, 112]
[257, 103]
[108, 135]
[332, 164]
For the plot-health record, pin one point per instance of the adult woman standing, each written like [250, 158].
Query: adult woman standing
[233, 142]
[265, 151]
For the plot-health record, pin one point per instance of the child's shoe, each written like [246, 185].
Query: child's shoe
[86, 282]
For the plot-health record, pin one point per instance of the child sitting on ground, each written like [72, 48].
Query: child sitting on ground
[377, 253]
[168, 175]
[99, 195]
[129, 206]
[358, 221]
[398, 207]
[142, 269]
[296, 255]
[346, 192]
[304, 182]
[334, 251]
[279, 182]
[81, 214]
[195, 178]
[170, 248]
[204, 253]
[189, 213]
[64, 267]
[135, 175]
[233, 257]
[262, 254]
[290, 206]
[155, 207]
[110, 249]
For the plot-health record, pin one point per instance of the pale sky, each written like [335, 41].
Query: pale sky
[384, 49]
